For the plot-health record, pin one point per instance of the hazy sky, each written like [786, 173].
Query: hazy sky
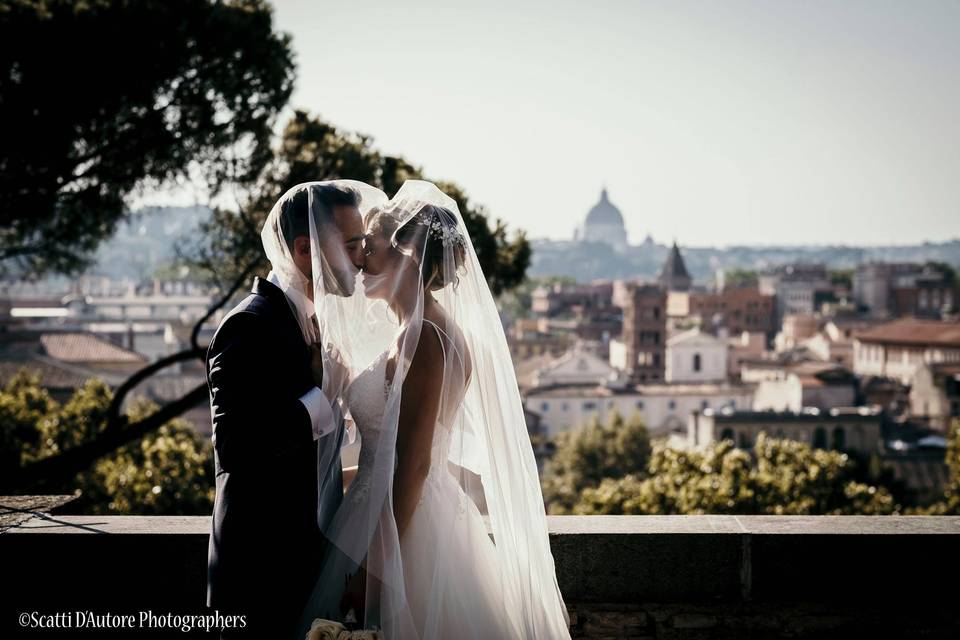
[710, 122]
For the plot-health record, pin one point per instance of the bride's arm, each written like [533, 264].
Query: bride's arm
[419, 408]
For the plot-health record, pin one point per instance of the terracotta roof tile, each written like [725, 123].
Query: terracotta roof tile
[914, 332]
[85, 347]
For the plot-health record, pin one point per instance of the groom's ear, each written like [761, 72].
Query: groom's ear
[301, 254]
[301, 246]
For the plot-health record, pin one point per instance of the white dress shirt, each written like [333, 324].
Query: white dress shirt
[324, 417]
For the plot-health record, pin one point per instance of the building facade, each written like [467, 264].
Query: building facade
[662, 407]
[640, 351]
[696, 356]
[737, 310]
[896, 349]
[852, 430]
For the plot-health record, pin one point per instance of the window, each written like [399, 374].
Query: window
[705, 404]
[744, 440]
[565, 406]
[545, 406]
[696, 362]
[672, 404]
[726, 434]
[820, 438]
[639, 404]
[839, 439]
[589, 406]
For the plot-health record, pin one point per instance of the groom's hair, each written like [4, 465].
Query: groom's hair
[293, 211]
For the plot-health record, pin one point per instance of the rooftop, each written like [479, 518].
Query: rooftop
[80, 347]
[913, 332]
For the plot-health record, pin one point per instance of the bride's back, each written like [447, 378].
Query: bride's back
[456, 366]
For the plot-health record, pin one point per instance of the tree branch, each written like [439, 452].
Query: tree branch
[63, 466]
[117, 431]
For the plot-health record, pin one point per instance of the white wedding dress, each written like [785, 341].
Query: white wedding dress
[450, 566]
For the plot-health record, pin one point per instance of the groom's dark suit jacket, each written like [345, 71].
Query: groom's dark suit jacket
[266, 543]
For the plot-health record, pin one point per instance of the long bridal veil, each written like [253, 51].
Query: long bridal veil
[480, 446]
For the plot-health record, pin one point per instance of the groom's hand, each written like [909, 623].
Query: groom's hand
[355, 596]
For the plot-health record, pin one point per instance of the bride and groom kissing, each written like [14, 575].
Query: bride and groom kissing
[375, 322]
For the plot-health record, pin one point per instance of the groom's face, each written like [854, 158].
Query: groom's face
[341, 244]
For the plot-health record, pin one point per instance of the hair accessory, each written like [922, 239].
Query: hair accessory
[448, 234]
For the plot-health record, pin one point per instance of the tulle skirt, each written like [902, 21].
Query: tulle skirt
[451, 568]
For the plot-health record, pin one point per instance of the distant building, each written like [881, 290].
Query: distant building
[734, 309]
[568, 299]
[576, 367]
[585, 311]
[673, 275]
[641, 348]
[532, 337]
[799, 288]
[895, 289]
[834, 341]
[743, 347]
[807, 385]
[662, 407]
[935, 394]
[851, 430]
[604, 223]
[896, 349]
[916, 456]
[795, 329]
[696, 356]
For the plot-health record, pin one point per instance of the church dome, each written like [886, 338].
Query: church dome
[604, 213]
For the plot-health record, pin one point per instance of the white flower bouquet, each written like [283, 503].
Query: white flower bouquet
[322, 629]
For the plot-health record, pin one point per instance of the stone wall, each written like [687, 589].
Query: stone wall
[658, 577]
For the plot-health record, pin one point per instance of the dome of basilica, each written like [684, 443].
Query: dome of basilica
[604, 213]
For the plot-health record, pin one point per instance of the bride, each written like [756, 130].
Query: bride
[442, 533]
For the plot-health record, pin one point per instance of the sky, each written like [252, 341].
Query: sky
[712, 123]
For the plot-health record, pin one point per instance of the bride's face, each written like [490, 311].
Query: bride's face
[381, 263]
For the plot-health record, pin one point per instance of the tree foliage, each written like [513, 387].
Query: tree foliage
[740, 278]
[782, 477]
[596, 452]
[167, 472]
[950, 503]
[311, 149]
[98, 98]
[612, 468]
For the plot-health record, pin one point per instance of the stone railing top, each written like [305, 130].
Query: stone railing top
[557, 525]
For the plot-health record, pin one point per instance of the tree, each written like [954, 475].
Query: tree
[781, 477]
[167, 472]
[229, 249]
[588, 455]
[950, 504]
[742, 278]
[841, 277]
[311, 149]
[99, 98]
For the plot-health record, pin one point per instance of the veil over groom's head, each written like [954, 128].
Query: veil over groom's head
[326, 215]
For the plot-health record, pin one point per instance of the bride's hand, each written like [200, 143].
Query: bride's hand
[355, 596]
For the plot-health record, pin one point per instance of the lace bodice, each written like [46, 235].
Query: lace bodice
[367, 397]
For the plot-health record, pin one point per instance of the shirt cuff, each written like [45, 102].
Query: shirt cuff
[321, 415]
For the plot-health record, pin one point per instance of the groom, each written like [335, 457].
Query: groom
[271, 423]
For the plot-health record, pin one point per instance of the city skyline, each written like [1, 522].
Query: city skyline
[746, 123]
